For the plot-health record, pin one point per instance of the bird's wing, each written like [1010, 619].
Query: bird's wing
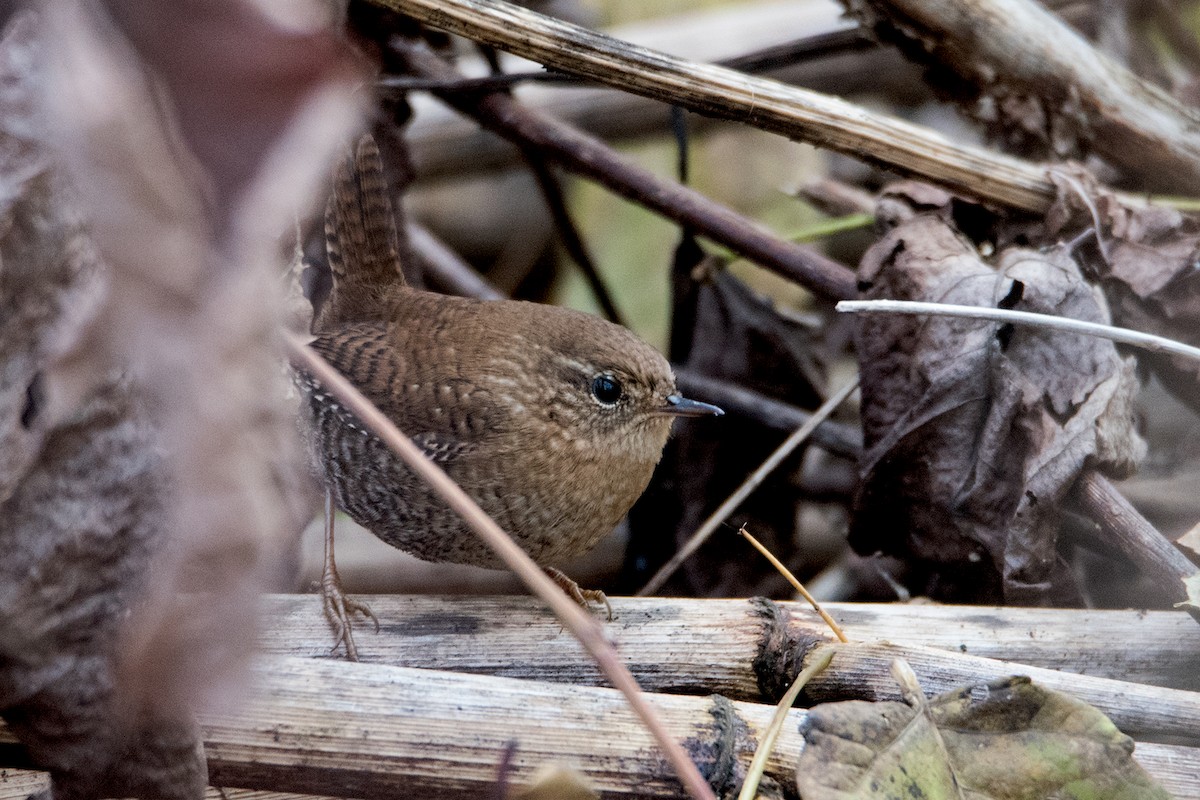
[366, 354]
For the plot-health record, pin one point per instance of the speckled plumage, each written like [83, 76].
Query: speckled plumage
[499, 393]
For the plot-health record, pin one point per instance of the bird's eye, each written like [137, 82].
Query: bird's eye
[606, 389]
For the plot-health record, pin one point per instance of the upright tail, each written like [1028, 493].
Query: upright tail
[360, 240]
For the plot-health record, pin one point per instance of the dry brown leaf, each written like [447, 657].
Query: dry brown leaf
[737, 336]
[1146, 265]
[974, 431]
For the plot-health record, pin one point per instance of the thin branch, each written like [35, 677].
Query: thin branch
[1146, 341]
[583, 625]
[765, 59]
[590, 157]
[1121, 525]
[486, 83]
[568, 232]
[836, 437]
[716, 91]
[748, 486]
[447, 268]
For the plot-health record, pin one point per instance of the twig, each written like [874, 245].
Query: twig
[836, 437]
[749, 485]
[447, 268]
[485, 83]
[582, 624]
[766, 742]
[1146, 341]
[797, 113]
[824, 229]
[590, 157]
[820, 45]
[795, 582]
[836, 198]
[568, 233]
[1154, 554]
[764, 59]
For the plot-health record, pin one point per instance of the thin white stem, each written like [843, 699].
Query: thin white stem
[1146, 341]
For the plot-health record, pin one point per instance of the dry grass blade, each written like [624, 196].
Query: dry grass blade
[787, 573]
[585, 627]
[1146, 341]
[798, 437]
[767, 742]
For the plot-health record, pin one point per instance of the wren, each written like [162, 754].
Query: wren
[551, 419]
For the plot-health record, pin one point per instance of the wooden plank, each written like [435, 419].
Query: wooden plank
[686, 645]
[374, 731]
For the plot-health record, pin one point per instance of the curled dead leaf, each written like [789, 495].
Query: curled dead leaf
[974, 431]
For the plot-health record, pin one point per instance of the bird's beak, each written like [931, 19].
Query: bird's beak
[680, 406]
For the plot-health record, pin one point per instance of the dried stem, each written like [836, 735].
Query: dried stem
[767, 742]
[795, 582]
[1146, 341]
[675, 645]
[591, 158]
[568, 232]
[447, 268]
[836, 437]
[582, 624]
[715, 91]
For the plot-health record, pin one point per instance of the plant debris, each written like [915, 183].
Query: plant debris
[975, 432]
[1002, 740]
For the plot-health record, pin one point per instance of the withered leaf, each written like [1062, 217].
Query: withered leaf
[736, 336]
[1002, 740]
[1147, 265]
[974, 431]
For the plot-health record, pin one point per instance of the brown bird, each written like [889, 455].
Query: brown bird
[551, 419]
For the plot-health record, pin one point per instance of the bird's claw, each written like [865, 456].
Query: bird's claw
[339, 611]
[584, 597]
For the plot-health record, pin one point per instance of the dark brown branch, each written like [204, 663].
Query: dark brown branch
[766, 59]
[589, 157]
[568, 233]
[775, 414]
[1131, 533]
[447, 269]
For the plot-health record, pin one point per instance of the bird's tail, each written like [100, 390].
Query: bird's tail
[360, 238]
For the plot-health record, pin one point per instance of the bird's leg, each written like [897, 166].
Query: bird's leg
[339, 609]
[584, 597]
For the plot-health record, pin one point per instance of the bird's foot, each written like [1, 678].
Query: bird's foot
[584, 597]
[339, 611]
